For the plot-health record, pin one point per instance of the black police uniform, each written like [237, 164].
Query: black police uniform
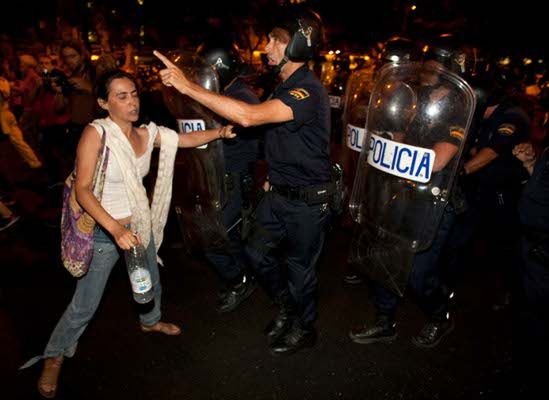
[493, 191]
[297, 153]
[532, 328]
[239, 154]
[424, 277]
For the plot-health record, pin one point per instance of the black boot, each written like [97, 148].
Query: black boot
[384, 330]
[236, 294]
[295, 339]
[433, 332]
[283, 321]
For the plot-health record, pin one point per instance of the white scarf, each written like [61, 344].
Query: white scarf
[145, 219]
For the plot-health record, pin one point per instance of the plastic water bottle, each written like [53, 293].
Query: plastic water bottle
[140, 277]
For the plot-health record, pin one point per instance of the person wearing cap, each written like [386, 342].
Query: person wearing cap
[294, 211]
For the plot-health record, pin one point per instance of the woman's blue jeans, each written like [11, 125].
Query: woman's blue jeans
[89, 291]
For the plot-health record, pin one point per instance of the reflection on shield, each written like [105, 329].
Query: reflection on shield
[357, 96]
[201, 190]
[398, 195]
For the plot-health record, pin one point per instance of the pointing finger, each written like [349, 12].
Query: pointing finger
[164, 59]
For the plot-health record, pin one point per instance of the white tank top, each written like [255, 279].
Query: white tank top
[115, 198]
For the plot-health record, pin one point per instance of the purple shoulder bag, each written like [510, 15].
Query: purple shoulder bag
[77, 226]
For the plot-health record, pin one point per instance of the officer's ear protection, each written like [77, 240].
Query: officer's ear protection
[302, 45]
[306, 33]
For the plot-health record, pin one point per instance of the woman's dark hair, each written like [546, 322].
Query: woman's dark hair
[103, 84]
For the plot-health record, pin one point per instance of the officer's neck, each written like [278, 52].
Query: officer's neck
[289, 68]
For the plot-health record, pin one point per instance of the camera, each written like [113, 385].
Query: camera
[59, 78]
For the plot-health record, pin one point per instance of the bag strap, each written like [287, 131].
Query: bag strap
[101, 167]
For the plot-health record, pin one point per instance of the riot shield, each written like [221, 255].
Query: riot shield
[418, 118]
[200, 193]
[335, 87]
[357, 96]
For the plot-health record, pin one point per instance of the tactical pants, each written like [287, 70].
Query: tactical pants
[424, 278]
[229, 265]
[496, 214]
[301, 228]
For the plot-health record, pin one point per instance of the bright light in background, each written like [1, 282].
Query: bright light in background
[505, 61]
[337, 51]
[413, 8]
[140, 2]
[94, 57]
[527, 61]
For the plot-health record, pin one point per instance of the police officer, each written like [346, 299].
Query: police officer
[531, 348]
[295, 208]
[445, 139]
[239, 156]
[492, 180]
[396, 50]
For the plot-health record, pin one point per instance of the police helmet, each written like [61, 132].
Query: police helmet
[306, 32]
[224, 58]
[398, 49]
[461, 59]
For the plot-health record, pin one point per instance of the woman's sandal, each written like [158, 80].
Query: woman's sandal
[47, 384]
[162, 327]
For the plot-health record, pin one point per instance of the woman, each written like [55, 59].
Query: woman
[123, 210]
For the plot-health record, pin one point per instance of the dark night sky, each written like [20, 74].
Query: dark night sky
[491, 24]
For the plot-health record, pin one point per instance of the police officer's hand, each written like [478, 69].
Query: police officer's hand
[525, 153]
[226, 132]
[172, 75]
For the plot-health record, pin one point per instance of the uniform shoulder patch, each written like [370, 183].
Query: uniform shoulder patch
[457, 132]
[506, 129]
[299, 93]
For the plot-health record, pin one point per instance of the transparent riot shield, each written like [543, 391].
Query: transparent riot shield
[201, 189]
[357, 96]
[417, 122]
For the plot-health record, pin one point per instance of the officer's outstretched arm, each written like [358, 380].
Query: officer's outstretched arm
[239, 112]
